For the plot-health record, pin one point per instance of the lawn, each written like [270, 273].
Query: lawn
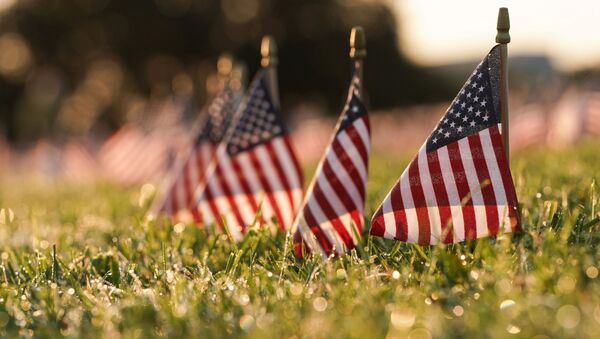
[81, 261]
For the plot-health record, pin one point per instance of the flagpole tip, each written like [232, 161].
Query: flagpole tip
[358, 43]
[225, 64]
[268, 51]
[503, 26]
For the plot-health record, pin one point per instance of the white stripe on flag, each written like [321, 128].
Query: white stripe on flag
[496, 179]
[355, 157]
[237, 194]
[390, 223]
[325, 225]
[289, 168]
[251, 178]
[336, 204]
[474, 187]
[363, 132]
[432, 205]
[458, 221]
[344, 178]
[279, 191]
[409, 207]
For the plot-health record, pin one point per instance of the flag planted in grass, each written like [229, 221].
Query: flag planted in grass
[189, 174]
[256, 173]
[459, 186]
[331, 218]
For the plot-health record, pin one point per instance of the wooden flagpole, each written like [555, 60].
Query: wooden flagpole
[358, 52]
[268, 52]
[503, 38]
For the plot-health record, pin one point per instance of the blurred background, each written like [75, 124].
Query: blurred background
[78, 78]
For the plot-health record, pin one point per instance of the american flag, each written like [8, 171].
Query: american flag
[331, 218]
[178, 196]
[528, 126]
[459, 185]
[591, 114]
[138, 153]
[256, 176]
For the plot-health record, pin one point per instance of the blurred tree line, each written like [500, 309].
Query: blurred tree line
[71, 67]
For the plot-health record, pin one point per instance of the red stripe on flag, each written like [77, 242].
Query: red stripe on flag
[245, 186]
[222, 182]
[421, 208]
[509, 186]
[292, 155]
[441, 195]
[349, 166]
[487, 191]
[315, 228]
[399, 212]
[464, 192]
[336, 185]
[332, 216]
[354, 136]
[276, 161]
[260, 173]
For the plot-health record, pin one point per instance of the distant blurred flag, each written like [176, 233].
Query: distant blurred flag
[178, 195]
[528, 126]
[459, 185]
[256, 176]
[141, 153]
[77, 163]
[591, 114]
[331, 217]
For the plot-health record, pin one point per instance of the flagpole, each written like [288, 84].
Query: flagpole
[358, 52]
[503, 38]
[268, 52]
[224, 69]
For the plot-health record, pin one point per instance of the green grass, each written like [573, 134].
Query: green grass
[113, 274]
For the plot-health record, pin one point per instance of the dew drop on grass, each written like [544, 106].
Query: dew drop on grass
[179, 228]
[402, 319]
[320, 304]
[506, 304]
[246, 322]
[568, 316]
[458, 310]
[512, 329]
[591, 272]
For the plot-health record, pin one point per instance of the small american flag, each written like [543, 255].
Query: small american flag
[256, 173]
[331, 217]
[459, 185]
[178, 197]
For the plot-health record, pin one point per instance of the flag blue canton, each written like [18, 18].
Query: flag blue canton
[218, 118]
[474, 108]
[353, 110]
[259, 121]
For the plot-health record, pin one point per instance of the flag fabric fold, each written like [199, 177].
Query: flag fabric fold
[459, 185]
[331, 217]
[255, 176]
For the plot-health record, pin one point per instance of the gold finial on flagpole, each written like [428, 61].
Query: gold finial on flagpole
[503, 38]
[224, 69]
[225, 64]
[268, 51]
[358, 43]
[358, 53]
[503, 26]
